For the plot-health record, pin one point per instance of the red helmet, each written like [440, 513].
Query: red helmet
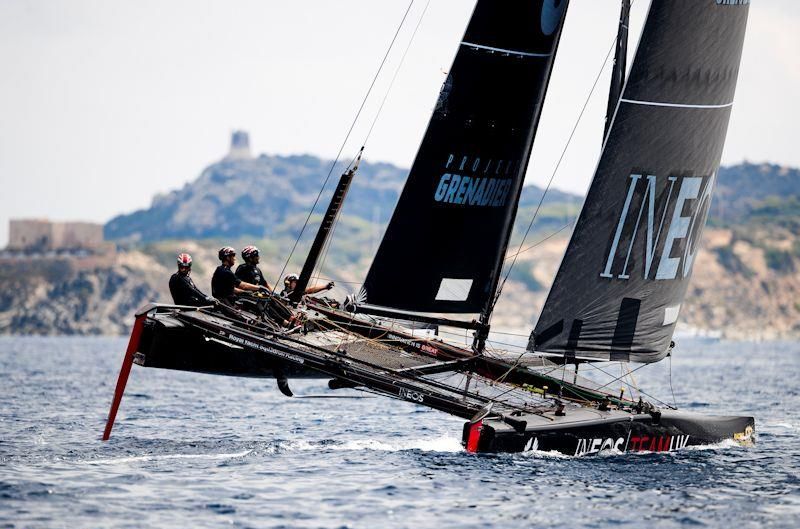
[184, 260]
[226, 251]
[249, 251]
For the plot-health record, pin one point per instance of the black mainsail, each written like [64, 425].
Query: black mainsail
[618, 292]
[444, 246]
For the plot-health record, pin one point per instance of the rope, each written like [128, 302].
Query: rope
[396, 72]
[674, 402]
[595, 366]
[347, 137]
[537, 243]
[372, 126]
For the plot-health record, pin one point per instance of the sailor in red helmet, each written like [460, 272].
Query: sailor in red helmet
[224, 283]
[249, 271]
[183, 289]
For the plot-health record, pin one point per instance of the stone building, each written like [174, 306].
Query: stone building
[240, 146]
[45, 235]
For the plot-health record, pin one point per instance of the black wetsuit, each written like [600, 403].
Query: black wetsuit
[184, 291]
[250, 273]
[223, 282]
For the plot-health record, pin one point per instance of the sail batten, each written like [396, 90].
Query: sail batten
[618, 292]
[673, 104]
[444, 246]
[504, 50]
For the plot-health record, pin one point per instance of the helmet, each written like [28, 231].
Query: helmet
[249, 251]
[184, 260]
[226, 251]
[291, 277]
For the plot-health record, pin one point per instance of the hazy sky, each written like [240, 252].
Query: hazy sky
[105, 103]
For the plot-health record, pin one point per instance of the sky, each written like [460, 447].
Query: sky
[106, 103]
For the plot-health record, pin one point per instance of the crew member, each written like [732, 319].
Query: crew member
[183, 289]
[290, 284]
[224, 283]
[249, 271]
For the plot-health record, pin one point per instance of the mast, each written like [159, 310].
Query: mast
[325, 228]
[620, 62]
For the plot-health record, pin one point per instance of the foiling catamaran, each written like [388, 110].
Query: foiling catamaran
[616, 296]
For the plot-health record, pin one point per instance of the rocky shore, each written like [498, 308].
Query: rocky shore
[742, 288]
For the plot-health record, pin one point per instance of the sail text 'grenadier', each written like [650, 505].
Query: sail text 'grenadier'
[183, 289]
[224, 283]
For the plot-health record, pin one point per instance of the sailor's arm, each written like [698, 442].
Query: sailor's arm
[244, 286]
[315, 290]
[196, 292]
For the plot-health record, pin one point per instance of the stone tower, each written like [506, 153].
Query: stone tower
[240, 146]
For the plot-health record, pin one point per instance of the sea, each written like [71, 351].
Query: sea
[196, 451]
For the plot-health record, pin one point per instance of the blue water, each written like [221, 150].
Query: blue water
[199, 451]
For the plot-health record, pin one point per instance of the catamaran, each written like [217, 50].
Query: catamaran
[616, 296]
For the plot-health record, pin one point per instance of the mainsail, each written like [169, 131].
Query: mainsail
[444, 246]
[619, 290]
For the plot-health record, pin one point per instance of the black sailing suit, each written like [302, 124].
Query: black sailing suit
[184, 291]
[250, 273]
[222, 284]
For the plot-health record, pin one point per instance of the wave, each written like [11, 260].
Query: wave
[436, 444]
[161, 457]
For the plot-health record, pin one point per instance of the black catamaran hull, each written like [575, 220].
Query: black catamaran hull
[166, 338]
[612, 430]
[168, 343]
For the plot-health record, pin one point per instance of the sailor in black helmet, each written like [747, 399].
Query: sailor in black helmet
[290, 284]
[183, 289]
[224, 284]
[249, 271]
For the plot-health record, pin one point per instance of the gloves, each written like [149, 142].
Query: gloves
[264, 289]
[211, 300]
[330, 285]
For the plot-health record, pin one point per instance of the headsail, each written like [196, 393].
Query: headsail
[444, 246]
[624, 275]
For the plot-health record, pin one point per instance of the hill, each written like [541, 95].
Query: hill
[746, 278]
[267, 196]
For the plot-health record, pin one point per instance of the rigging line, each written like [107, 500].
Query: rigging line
[537, 243]
[674, 402]
[511, 345]
[396, 72]
[640, 389]
[511, 334]
[375, 120]
[555, 170]
[347, 137]
[634, 384]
